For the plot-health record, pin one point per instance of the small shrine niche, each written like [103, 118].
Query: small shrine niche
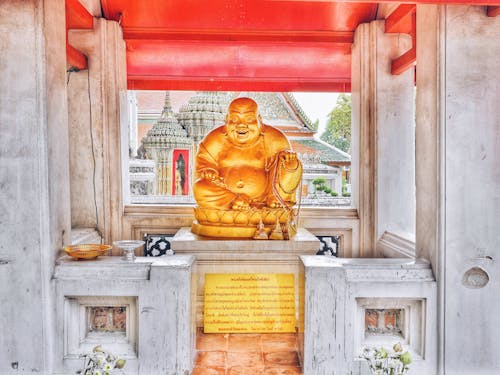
[384, 322]
[387, 321]
[107, 318]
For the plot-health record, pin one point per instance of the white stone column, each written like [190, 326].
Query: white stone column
[458, 117]
[383, 138]
[95, 122]
[132, 122]
[34, 179]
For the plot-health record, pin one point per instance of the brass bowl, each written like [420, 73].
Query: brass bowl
[87, 251]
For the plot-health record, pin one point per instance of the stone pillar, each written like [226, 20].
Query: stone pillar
[458, 117]
[132, 123]
[383, 137]
[95, 136]
[34, 179]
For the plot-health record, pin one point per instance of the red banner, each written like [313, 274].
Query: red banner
[180, 172]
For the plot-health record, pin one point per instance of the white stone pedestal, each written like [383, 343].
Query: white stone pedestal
[242, 256]
[156, 291]
[337, 294]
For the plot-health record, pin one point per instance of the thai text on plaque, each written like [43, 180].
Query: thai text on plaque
[249, 303]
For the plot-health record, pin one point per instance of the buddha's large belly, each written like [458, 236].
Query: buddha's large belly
[247, 180]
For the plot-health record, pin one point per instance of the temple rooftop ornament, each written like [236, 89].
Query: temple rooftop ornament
[202, 113]
[162, 139]
[166, 133]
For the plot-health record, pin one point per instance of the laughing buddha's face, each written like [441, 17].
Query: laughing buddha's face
[243, 123]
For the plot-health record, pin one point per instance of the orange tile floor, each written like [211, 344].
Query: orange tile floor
[247, 354]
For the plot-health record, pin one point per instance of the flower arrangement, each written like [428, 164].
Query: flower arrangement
[101, 362]
[383, 362]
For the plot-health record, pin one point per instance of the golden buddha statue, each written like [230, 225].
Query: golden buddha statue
[246, 173]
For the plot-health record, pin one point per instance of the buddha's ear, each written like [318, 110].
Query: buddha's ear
[259, 118]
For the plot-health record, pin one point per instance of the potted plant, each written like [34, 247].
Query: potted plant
[387, 362]
[101, 362]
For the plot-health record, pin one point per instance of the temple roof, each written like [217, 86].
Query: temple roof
[328, 154]
[281, 110]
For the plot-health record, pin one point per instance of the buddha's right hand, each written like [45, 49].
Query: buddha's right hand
[241, 204]
[209, 174]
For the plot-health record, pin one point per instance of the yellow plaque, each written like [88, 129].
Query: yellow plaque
[249, 303]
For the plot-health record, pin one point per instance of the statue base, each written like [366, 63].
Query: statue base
[242, 224]
[223, 231]
[240, 256]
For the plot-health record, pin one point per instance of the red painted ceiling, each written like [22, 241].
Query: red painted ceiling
[261, 45]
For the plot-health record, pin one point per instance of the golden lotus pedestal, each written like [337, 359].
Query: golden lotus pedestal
[245, 224]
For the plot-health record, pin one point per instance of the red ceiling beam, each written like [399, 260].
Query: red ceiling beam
[77, 17]
[403, 20]
[75, 58]
[339, 37]
[223, 65]
[404, 62]
[288, 84]
[436, 2]
[233, 59]
[239, 14]
[400, 20]
[493, 11]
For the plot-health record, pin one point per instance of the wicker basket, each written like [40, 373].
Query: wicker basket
[87, 251]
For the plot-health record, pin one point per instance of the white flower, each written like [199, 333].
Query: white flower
[384, 362]
[108, 366]
[97, 372]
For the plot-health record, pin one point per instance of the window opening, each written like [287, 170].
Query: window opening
[166, 128]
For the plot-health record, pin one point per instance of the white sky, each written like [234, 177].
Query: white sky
[317, 105]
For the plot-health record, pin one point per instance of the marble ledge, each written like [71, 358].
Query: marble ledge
[373, 269]
[114, 268]
[302, 242]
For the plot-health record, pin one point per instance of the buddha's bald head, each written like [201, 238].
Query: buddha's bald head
[243, 105]
[243, 122]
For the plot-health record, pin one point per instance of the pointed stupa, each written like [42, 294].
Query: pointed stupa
[202, 113]
[166, 133]
[165, 136]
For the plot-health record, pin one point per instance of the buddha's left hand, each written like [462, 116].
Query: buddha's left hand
[289, 159]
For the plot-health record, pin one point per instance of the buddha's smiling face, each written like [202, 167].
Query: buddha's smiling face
[243, 123]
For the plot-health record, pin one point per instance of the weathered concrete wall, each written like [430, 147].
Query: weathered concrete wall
[428, 136]
[85, 162]
[383, 132]
[472, 208]
[34, 182]
[458, 179]
[363, 138]
[86, 152]
[395, 133]
[94, 117]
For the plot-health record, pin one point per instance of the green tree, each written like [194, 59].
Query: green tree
[338, 127]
